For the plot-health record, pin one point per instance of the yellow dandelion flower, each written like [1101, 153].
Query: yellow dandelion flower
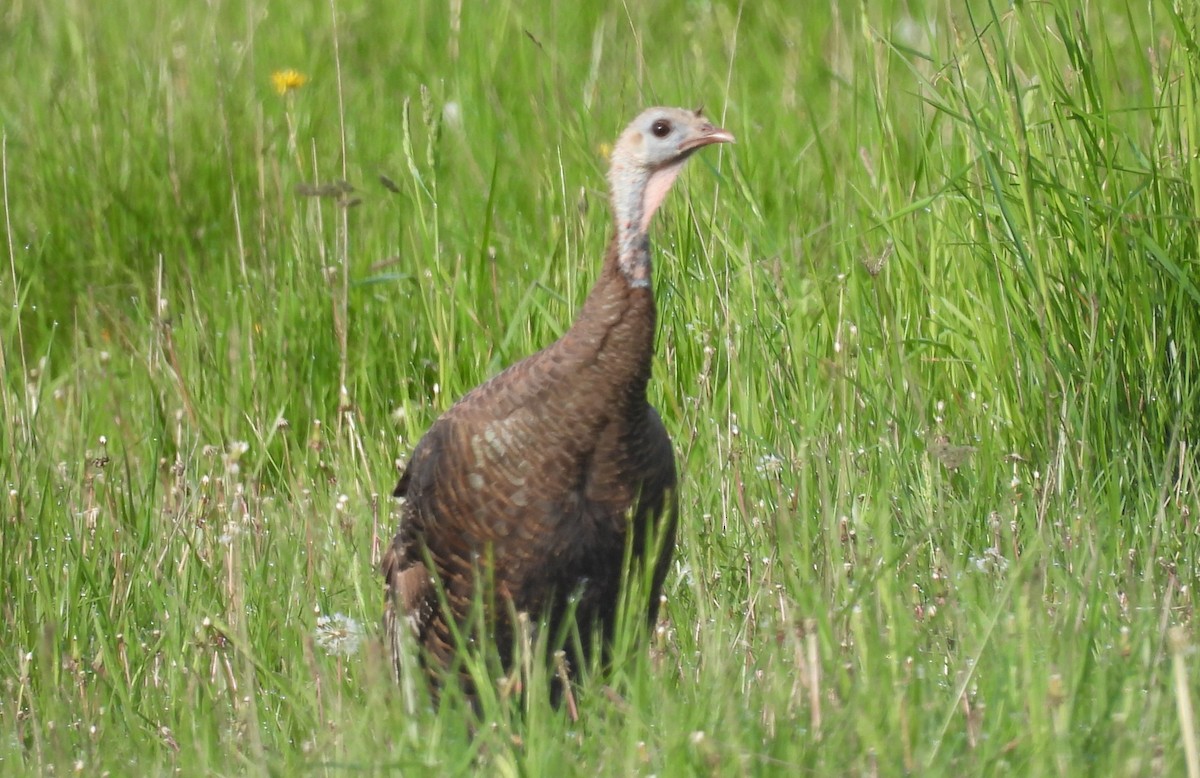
[287, 80]
[605, 150]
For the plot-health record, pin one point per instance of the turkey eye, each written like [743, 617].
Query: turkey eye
[661, 128]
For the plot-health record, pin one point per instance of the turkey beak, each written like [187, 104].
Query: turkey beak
[706, 135]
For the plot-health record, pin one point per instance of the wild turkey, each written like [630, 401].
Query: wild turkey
[532, 481]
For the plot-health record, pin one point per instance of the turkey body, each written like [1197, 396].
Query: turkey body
[528, 495]
[535, 474]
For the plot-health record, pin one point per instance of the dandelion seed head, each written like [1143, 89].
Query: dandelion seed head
[338, 634]
[992, 561]
[452, 115]
[231, 531]
[769, 464]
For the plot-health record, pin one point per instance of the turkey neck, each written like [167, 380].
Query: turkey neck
[614, 332]
[615, 329]
[637, 192]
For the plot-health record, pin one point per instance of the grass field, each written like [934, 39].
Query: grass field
[927, 349]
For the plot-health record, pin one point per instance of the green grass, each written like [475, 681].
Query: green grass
[927, 349]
